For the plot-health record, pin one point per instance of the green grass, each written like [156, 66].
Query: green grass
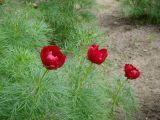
[147, 10]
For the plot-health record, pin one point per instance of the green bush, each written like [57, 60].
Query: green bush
[23, 33]
[142, 9]
[69, 19]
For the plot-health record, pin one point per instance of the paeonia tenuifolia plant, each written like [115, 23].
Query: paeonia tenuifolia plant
[68, 88]
[52, 59]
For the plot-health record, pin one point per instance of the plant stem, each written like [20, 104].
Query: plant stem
[35, 91]
[115, 96]
[81, 84]
[40, 80]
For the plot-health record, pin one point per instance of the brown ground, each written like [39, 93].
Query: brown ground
[130, 42]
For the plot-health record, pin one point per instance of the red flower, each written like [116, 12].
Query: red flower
[97, 56]
[131, 72]
[52, 57]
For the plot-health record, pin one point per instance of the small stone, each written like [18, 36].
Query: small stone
[116, 23]
[77, 6]
[35, 5]
[145, 50]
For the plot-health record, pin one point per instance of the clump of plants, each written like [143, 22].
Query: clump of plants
[41, 82]
[146, 9]
[77, 92]
[69, 20]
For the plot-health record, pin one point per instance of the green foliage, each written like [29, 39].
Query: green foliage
[20, 29]
[77, 91]
[69, 20]
[142, 9]
[60, 97]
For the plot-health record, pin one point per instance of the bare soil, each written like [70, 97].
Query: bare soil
[131, 42]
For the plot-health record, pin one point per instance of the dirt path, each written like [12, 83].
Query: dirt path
[130, 42]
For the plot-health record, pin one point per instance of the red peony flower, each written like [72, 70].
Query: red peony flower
[97, 56]
[52, 57]
[131, 72]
